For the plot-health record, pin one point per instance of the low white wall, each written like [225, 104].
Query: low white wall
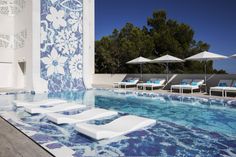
[107, 79]
[6, 75]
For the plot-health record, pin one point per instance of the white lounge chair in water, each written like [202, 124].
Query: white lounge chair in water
[118, 127]
[54, 108]
[92, 114]
[194, 85]
[48, 102]
[222, 86]
[185, 82]
[152, 83]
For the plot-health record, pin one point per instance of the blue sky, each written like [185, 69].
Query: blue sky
[214, 21]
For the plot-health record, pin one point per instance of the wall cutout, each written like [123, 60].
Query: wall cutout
[13, 41]
[62, 44]
[11, 7]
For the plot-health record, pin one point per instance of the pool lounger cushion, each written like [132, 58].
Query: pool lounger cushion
[88, 115]
[51, 109]
[118, 127]
[48, 102]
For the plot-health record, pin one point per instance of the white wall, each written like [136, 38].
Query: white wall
[29, 19]
[20, 49]
[7, 28]
[39, 84]
[88, 42]
[6, 75]
[6, 54]
[23, 22]
[7, 24]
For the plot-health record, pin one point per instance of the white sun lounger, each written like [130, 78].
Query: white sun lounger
[118, 127]
[180, 86]
[92, 114]
[153, 85]
[231, 89]
[51, 109]
[220, 88]
[117, 84]
[48, 102]
[128, 84]
[195, 85]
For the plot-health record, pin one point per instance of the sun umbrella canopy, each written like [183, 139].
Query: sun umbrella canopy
[139, 60]
[205, 56]
[167, 59]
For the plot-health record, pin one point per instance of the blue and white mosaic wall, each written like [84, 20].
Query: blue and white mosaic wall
[62, 44]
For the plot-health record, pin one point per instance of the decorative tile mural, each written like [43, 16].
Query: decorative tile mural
[11, 7]
[62, 44]
[13, 41]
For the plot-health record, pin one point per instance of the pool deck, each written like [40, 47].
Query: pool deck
[13, 143]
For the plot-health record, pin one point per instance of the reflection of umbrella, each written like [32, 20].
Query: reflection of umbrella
[206, 56]
[167, 59]
[140, 61]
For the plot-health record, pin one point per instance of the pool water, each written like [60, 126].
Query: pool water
[187, 112]
[186, 126]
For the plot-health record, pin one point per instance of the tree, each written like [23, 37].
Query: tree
[114, 51]
[161, 36]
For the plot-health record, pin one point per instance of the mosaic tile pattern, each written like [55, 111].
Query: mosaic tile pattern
[62, 44]
[19, 39]
[13, 41]
[11, 7]
[209, 101]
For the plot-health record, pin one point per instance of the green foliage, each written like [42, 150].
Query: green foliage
[161, 36]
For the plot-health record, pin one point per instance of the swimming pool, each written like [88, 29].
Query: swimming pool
[186, 126]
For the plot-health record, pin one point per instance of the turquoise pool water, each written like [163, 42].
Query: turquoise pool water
[190, 112]
[186, 126]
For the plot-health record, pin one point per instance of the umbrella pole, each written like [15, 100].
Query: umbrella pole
[167, 70]
[141, 71]
[206, 76]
